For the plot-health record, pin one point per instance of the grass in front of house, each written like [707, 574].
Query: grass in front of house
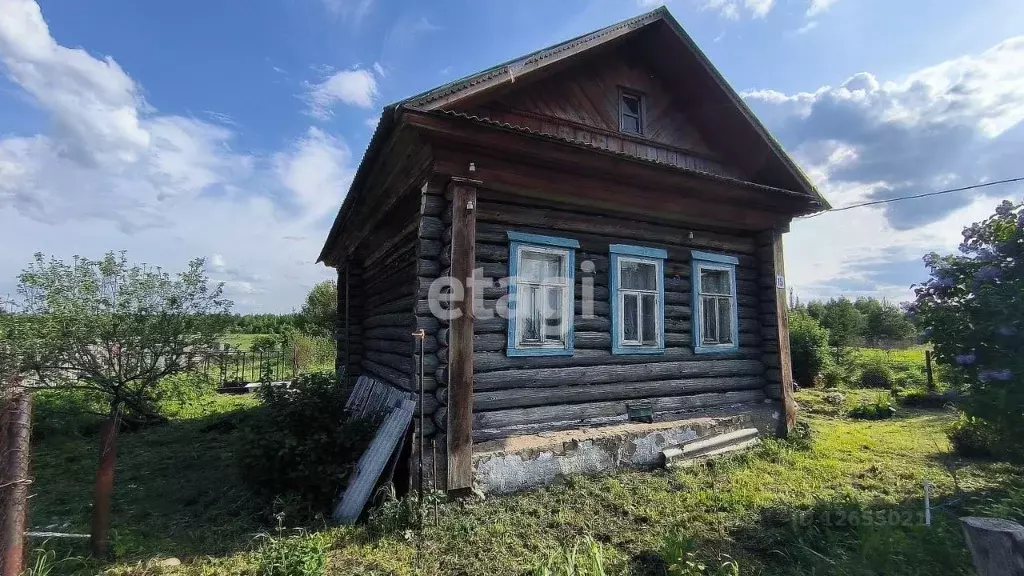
[781, 509]
[176, 488]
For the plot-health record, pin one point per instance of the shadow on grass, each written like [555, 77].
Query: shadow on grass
[177, 490]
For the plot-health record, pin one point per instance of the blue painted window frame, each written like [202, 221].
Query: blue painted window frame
[519, 240]
[712, 261]
[654, 256]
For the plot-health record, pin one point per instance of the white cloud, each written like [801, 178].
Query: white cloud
[810, 25]
[317, 171]
[957, 123]
[732, 9]
[115, 173]
[355, 87]
[351, 10]
[819, 6]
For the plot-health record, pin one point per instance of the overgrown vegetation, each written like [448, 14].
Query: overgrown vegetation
[880, 408]
[808, 343]
[300, 444]
[972, 310]
[788, 508]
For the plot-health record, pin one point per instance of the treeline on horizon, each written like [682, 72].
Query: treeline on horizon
[267, 323]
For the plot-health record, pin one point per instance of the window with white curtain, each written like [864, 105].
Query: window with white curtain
[638, 299]
[540, 295]
[714, 302]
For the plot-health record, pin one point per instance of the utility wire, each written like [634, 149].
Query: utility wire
[924, 195]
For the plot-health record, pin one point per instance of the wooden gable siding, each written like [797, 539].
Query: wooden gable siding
[582, 104]
[525, 395]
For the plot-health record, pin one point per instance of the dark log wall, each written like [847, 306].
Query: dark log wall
[582, 104]
[530, 394]
[350, 327]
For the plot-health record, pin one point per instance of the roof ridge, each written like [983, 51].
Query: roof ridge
[535, 56]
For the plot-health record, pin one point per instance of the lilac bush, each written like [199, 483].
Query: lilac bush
[972, 309]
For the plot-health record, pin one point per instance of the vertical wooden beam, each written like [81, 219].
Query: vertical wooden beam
[788, 422]
[460, 348]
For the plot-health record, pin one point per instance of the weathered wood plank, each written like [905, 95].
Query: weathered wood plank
[590, 410]
[460, 367]
[734, 363]
[587, 375]
[526, 397]
[782, 314]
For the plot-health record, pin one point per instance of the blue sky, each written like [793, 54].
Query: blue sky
[231, 130]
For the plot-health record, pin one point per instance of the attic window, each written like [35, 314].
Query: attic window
[631, 106]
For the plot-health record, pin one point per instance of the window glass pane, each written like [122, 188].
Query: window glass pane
[638, 275]
[630, 329]
[553, 315]
[709, 320]
[715, 282]
[631, 105]
[630, 124]
[649, 309]
[526, 314]
[725, 320]
[540, 266]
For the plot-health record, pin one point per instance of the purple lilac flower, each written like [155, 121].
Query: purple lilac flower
[1007, 331]
[1004, 209]
[966, 359]
[1002, 375]
[1020, 219]
[987, 274]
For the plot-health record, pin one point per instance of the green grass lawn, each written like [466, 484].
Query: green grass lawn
[848, 501]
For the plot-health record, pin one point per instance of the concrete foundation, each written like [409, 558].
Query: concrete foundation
[525, 462]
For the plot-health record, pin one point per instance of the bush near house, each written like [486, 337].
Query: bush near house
[972, 310]
[300, 445]
[808, 343]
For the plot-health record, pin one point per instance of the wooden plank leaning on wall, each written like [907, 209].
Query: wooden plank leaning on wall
[460, 349]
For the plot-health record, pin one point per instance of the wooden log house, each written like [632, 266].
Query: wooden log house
[623, 211]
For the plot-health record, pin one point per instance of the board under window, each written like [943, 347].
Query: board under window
[631, 112]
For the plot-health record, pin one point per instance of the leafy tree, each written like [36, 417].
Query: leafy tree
[883, 320]
[320, 311]
[972, 310]
[842, 320]
[117, 330]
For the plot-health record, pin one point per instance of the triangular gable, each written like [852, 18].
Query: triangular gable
[711, 118]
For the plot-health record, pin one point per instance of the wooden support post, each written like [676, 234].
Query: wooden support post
[996, 545]
[788, 422]
[928, 370]
[15, 441]
[104, 487]
[460, 349]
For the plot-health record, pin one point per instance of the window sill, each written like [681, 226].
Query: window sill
[715, 349]
[513, 352]
[630, 350]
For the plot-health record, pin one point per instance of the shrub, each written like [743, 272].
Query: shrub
[920, 398]
[972, 312]
[808, 343]
[974, 438]
[264, 343]
[299, 555]
[875, 373]
[880, 409]
[301, 443]
[834, 377]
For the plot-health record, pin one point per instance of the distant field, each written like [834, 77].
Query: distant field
[239, 341]
[914, 355]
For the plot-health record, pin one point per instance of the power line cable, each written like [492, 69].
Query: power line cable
[924, 195]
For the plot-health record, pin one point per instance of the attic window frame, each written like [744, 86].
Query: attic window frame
[639, 97]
